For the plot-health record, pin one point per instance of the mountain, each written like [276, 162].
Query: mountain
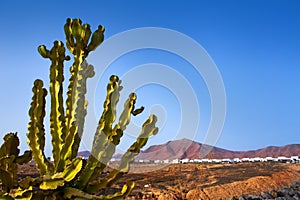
[185, 148]
[84, 154]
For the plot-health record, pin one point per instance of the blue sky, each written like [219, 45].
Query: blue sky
[254, 44]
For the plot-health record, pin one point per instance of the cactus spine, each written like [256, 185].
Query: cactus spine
[70, 176]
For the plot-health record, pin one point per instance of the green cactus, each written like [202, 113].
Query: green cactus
[9, 160]
[36, 131]
[70, 176]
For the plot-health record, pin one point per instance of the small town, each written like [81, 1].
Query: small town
[282, 159]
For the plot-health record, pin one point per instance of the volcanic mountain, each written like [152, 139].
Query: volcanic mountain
[184, 148]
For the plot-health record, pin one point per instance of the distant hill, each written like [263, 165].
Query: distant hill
[185, 148]
[84, 154]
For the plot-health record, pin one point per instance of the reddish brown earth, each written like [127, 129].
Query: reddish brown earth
[216, 181]
[190, 149]
[202, 181]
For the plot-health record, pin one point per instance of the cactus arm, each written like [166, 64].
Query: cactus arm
[117, 133]
[28, 182]
[72, 169]
[9, 159]
[109, 112]
[10, 145]
[76, 104]
[137, 111]
[97, 38]
[103, 131]
[148, 130]
[75, 30]
[72, 33]
[8, 171]
[25, 158]
[71, 119]
[128, 109]
[57, 118]
[52, 183]
[70, 193]
[61, 178]
[7, 181]
[127, 188]
[36, 131]
[125, 118]
[75, 129]
[8, 152]
[86, 72]
[20, 193]
[74, 193]
[77, 37]
[69, 37]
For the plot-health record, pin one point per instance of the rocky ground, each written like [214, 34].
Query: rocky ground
[209, 181]
[212, 182]
[287, 193]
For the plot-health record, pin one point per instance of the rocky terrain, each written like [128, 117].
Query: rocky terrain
[216, 181]
[287, 193]
[206, 181]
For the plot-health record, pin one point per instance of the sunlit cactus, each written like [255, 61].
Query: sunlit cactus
[69, 176]
[9, 160]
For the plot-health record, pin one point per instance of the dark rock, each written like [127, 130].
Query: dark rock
[265, 195]
[290, 193]
[243, 197]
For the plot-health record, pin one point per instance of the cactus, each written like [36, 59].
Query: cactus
[9, 160]
[70, 176]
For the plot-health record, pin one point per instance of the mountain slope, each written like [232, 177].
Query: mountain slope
[185, 148]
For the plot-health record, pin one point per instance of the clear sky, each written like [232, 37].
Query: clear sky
[254, 44]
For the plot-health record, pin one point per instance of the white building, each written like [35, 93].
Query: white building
[166, 161]
[226, 160]
[197, 161]
[295, 159]
[186, 160]
[245, 159]
[283, 159]
[256, 159]
[269, 158]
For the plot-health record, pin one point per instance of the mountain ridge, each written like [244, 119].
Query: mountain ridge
[188, 149]
[185, 148]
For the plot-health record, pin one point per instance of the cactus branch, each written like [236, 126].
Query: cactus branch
[57, 118]
[76, 193]
[148, 130]
[77, 36]
[36, 131]
[103, 132]
[86, 72]
[116, 134]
